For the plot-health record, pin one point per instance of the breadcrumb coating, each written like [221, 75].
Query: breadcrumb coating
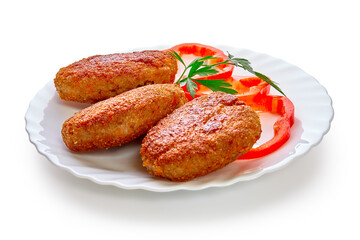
[100, 77]
[121, 119]
[200, 137]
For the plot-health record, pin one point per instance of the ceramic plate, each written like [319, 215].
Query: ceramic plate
[122, 166]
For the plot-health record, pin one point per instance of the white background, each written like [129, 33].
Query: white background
[315, 197]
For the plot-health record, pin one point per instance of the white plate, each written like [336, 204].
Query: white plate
[121, 166]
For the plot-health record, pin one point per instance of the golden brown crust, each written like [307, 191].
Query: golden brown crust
[204, 135]
[121, 119]
[102, 76]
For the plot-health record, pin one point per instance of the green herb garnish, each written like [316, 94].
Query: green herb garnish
[198, 67]
[245, 64]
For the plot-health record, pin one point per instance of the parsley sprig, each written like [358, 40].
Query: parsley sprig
[199, 67]
[245, 64]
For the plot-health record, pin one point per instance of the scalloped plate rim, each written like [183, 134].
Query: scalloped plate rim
[304, 148]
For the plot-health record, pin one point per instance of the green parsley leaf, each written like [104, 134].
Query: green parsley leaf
[194, 67]
[191, 86]
[218, 85]
[272, 83]
[177, 56]
[206, 71]
[199, 67]
[245, 64]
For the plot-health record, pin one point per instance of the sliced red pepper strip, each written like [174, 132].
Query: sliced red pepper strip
[274, 104]
[201, 50]
[247, 86]
[257, 98]
[250, 81]
[252, 90]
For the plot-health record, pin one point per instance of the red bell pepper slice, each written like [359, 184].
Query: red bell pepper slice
[274, 104]
[254, 92]
[247, 86]
[251, 90]
[201, 50]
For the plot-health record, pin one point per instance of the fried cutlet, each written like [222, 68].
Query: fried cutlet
[121, 119]
[103, 76]
[200, 137]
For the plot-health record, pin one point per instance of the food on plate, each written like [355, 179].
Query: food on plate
[102, 76]
[211, 71]
[212, 65]
[275, 104]
[121, 119]
[218, 126]
[224, 71]
[200, 137]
